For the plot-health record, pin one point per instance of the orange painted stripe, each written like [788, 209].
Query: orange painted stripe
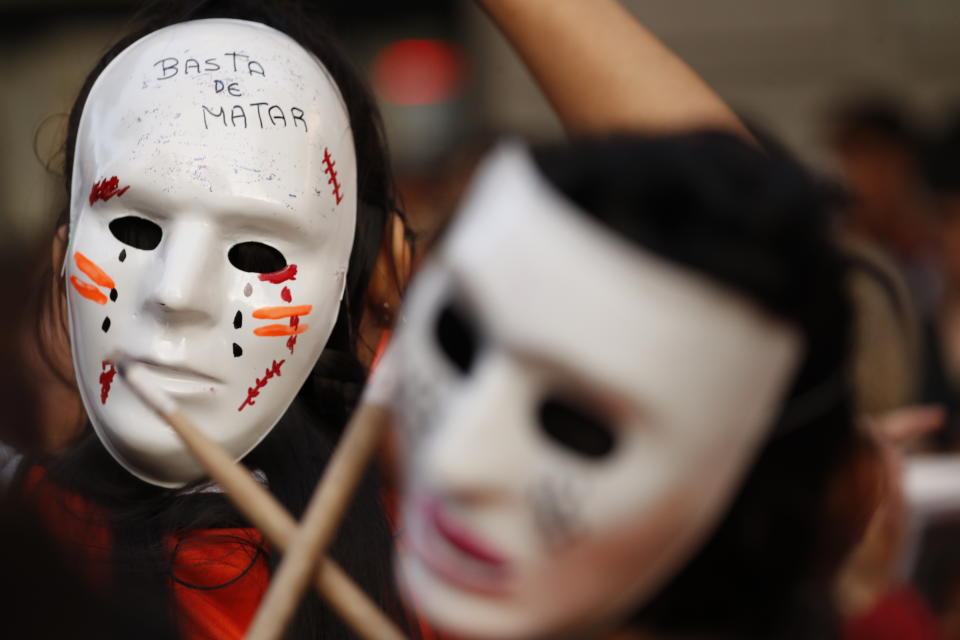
[280, 330]
[275, 313]
[88, 291]
[92, 271]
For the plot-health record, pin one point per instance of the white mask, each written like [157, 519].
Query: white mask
[208, 152]
[576, 413]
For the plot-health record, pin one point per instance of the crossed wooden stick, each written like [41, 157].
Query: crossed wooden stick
[304, 547]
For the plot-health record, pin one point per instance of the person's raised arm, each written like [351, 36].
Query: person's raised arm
[604, 71]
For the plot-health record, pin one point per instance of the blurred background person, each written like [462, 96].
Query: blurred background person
[876, 599]
[941, 357]
[877, 152]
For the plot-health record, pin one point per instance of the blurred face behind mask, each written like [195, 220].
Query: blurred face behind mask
[575, 414]
[212, 217]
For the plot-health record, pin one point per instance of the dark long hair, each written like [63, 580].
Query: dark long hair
[140, 517]
[756, 223]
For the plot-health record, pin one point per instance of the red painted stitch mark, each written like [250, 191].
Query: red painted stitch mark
[294, 320]
[331, 171]
[254, 391]
[292, 340]
[287, 273]
[106, 189]
[106, 379]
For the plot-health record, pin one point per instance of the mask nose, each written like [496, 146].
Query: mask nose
[184, 287]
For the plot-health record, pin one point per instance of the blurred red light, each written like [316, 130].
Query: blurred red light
[418, 72]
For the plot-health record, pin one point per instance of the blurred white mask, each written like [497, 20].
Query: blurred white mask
[576, 413]
[212, 216]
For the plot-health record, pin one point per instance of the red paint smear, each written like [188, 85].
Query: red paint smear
[292, 340]
[330, 170]
[106, 189]
[294, 320]
[254, 391]
[106, 380]
[287, 273]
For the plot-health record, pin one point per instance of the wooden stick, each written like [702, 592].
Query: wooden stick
[320, 522]
[263, 510]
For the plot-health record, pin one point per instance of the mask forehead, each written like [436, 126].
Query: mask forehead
[219, 107]
[555, 286]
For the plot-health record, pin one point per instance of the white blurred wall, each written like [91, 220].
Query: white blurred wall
[781, 62]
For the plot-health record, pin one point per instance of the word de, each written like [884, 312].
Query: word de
[170, 67]
[237, 116]
[219, 86]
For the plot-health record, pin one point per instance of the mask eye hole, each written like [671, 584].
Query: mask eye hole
[456, 337]
[256, 257]
[576, 428]
[138, 233]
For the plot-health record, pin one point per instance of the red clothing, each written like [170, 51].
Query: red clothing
[899, 615]
[203, 559]
[213, 558]
[222, 558]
